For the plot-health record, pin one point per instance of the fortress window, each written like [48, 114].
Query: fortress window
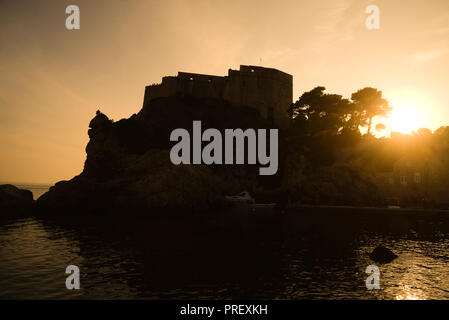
[417, 177]
[403, 180]
[252, 70]
[210, 80]
[191, 78]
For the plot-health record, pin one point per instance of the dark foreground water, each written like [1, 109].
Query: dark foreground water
[311, 256]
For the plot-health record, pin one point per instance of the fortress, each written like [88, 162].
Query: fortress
[268, 90]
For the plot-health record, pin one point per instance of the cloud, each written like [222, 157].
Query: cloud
[338, 26]
[420, 58]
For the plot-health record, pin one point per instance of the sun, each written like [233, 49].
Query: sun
[405, 118]
[408, 113]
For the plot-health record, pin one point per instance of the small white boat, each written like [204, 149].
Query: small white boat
[243, 198]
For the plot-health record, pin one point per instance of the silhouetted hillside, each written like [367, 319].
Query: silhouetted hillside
[128, 162]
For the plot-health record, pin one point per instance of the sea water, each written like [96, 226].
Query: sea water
[321, 258]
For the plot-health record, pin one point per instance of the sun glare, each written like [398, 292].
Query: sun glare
[408, 113]
[405, 118]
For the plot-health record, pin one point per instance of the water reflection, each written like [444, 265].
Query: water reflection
[312, 260]
[33, 260]
[409, 294]
[418, 273]
[35, 256]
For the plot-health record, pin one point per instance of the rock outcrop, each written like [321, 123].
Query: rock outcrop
[128, 163]
[382, 255]
[15, 198]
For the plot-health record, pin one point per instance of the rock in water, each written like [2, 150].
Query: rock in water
[382, 255]
[13, 197]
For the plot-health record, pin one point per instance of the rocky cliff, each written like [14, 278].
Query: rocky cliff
[128, 164]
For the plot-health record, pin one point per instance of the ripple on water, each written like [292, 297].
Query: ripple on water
[34, 256]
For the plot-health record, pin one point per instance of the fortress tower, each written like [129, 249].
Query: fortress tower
[270, 91]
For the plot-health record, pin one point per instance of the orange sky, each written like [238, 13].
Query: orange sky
[53, 80]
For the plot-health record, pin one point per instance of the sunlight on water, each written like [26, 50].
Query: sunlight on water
[408, 294]
[34, 255]
[418, 274]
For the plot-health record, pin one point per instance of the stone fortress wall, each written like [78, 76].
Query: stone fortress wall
[268, 90]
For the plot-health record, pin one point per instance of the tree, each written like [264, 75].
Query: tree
[422, 132]
[370, 103]
[316, 111]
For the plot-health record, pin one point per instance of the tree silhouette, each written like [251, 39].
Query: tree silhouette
[316, 111]
[423, 132]
[370, 103]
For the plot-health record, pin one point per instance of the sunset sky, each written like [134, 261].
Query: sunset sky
[52, 80]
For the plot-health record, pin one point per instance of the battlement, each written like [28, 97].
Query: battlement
[268, 90]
